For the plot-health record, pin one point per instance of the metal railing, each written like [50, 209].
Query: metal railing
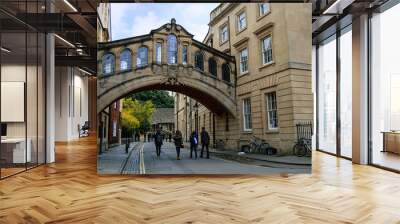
[304, 131]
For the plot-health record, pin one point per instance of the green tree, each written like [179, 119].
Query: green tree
[160, 98]
[136, 115]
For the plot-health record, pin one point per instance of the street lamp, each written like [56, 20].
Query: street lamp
[196, 115]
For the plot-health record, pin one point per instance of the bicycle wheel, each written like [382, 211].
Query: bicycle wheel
[299, 150]
[308, 151]
[246, 148]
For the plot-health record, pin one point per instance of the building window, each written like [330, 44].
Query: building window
[184, 55]
[108, 64]
[226, 73]
[266, 50]
[210, 42]
[247, 114]
[212, 67]
[272, 115]
[172, 49]
[158, 53]
[142, 57]
[199, 61]
[243, 61]
[126, 60]
[264, 8]
[224, 35]
[241, 21]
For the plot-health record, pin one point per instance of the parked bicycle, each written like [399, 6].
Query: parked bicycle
[302, 146]
[258, 145]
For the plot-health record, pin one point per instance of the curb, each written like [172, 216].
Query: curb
[212, 150]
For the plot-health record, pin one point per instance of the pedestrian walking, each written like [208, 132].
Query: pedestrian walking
[158, 141]
[194, 141]
[178, 143]
[205, 142]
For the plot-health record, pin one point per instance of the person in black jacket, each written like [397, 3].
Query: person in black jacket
[205, 142]
[158, 141]
[194, 141]
[178, 143]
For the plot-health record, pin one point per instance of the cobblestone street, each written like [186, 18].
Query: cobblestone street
[142, 159]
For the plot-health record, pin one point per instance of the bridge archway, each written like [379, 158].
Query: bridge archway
[150, 68]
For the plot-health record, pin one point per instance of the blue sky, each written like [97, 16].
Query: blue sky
[132, 19]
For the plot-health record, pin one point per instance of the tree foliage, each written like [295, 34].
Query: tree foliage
[160, 98]
[136, 115]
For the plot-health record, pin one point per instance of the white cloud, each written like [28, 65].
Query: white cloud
[144, 24]
[130, 19]
[120, 27]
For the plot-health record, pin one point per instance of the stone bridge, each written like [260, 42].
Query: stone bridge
[168, 58]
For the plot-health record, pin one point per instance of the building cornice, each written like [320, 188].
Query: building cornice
[221, 14]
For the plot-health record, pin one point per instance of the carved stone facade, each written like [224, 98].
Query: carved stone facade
[286, 77]
[147, 66]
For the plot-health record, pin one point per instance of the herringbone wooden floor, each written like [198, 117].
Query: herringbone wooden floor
[70, 191]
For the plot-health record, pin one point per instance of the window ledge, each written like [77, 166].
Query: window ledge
[272, 131]
[141, 67]
[243, 74]
[124, 71]
[240, 31]
[259, 17]
[247, 131]
[266, 65]
[224, 42]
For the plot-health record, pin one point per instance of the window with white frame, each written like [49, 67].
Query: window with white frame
[272, 114]
[247, 126]
[244, 61]
[241, 21]
[224, 34]
[266, 45]
[264, 8]
[158, 53]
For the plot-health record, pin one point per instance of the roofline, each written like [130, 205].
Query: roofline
[213, 50]
[136, 39]
[129, 40]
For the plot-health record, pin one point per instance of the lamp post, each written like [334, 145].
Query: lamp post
[196, 116]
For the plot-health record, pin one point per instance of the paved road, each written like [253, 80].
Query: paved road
[167, 163]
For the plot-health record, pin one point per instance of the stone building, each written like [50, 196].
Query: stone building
[271, 44]
[167, 58]
[163, 118]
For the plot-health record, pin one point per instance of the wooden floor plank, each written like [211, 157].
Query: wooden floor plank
[70, 191]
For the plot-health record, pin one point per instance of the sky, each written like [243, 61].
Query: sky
[133, 19]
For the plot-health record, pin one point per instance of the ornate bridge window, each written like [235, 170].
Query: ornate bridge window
[158, 52]
[125, 60]
[185, 54]
[226, 73]
[199, 61]
[108, 61]
[212, 67]
[172, 49]
[141, 59]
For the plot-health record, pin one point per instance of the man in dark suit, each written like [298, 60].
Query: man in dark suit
[205, 142]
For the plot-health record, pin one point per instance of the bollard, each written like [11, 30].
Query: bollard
[126, 145]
